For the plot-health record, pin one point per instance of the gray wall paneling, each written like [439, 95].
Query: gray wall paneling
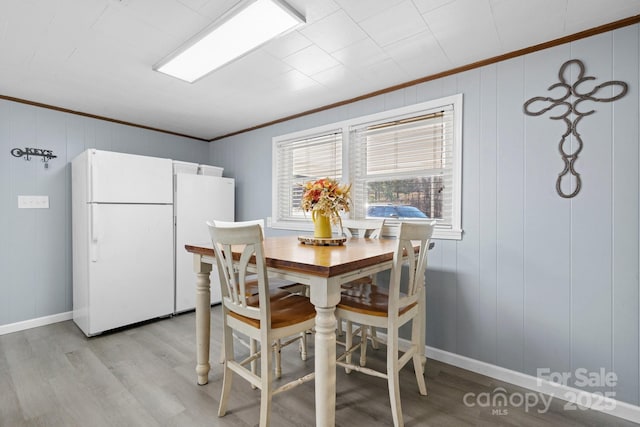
[591, 224]
[537, 281]
[468, 249]
[510, 227]
[547, 228]
[625, 297]
[488, 224]
[5, 198]
[35, 247]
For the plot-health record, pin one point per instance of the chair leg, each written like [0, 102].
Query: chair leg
[266, 391]
[227, 379]
[418, 358]
[363, 344]
[339, 323]
[348, 343]
[254, 363]
[374, 336]
[277, 351]
[417, 367]
[422, 327]
[393, 378]
[303, 345]
[222, 340]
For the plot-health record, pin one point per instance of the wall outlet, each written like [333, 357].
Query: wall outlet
[33, 202]
[269, 221]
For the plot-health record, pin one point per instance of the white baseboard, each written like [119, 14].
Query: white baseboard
[593, 401]
[34, 323]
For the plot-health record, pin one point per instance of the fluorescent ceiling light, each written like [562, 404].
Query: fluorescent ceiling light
[243, 29]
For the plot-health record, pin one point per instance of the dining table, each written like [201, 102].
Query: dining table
[324, 268]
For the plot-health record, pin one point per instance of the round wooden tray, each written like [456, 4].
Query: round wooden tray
[322, 241]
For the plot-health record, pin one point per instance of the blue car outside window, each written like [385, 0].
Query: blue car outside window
[395, 211]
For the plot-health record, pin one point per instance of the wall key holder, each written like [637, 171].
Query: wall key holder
[571, 90]
[28, 152]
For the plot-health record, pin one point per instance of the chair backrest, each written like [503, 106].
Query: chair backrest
[371, 228]
[234, 272]
[231, 224]
[408, 234]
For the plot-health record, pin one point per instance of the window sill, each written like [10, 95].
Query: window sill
[307, 226]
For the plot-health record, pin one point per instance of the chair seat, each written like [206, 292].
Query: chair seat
[251, 287]
[372, 301]
[286, 309]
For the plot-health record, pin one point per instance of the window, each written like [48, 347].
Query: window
[298, 160]
[404, 165]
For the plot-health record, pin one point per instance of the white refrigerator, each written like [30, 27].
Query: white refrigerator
[198, 198]
[122, 216]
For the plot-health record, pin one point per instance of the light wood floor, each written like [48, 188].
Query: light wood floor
[144, 376]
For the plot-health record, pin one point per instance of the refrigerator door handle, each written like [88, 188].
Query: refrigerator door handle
[93, 244]
[90, 178]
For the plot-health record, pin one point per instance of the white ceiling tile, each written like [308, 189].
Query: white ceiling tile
[287, 44]
[295, 81]
[62, 36]
[360, 10]
[10, 79]
[419, 55]
[71, 15]
[343, 79]
[126, 29]
[53, 52]
[580, 12]
[465, 29]
[425, 6]
[212, 9]
[314, 10]
[248, 73]
[311, 60]
[360, 54]
[334, 32]
[386, 73]
[519, 21]
[193, 4]
[171, 17]
[29, 33]
[409, 21]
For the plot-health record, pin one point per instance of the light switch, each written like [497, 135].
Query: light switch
[33, 202]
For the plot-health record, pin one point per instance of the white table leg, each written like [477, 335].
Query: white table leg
[325, 295]
[325, 365]
[203, 318]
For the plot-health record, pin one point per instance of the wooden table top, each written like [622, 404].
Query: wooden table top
[287, 253]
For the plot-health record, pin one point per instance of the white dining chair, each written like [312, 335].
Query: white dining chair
[251, 288]
[266, 317]
[390, 310]
[371, 229]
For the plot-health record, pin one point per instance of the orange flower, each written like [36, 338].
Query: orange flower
[327, 197]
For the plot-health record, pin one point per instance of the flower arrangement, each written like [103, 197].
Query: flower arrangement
[326, 197]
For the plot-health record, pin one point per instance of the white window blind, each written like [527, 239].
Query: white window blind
[302, 160]
[403, 164]
[405, 161]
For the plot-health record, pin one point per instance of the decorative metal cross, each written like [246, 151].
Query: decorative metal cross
[569, 156]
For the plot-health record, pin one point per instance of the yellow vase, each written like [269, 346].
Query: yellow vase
[321, 225]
